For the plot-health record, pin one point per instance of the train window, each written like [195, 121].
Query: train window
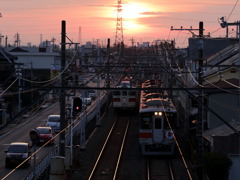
[124, 93]
[145, 123]
[158, 123]
[116, 93]
[132, 93]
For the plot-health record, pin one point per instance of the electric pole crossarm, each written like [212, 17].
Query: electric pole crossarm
[181, 29]
[186, 29]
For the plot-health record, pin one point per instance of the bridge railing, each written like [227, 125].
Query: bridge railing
[85, 117]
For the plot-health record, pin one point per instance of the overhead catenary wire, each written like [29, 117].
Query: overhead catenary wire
[232, 10]
[222, 89]
[172, 74]
[9, 86]
[227, 17]
[230, 83]
[210, 84]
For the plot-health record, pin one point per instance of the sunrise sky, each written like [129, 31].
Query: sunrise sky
[96, 19]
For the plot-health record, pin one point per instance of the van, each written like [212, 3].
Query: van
[17, 153]
[53, 121]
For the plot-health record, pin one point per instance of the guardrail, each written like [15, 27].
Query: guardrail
[43, 165]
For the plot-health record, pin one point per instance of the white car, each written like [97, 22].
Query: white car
[87, 100]
[53, 121]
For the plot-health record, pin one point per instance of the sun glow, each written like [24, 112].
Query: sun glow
[133, 11]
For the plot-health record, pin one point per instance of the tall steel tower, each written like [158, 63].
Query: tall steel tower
[119, 26]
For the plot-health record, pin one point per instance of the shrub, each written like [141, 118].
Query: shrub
[216, 166]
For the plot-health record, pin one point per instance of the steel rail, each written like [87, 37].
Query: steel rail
[101, 152]
[120, 153]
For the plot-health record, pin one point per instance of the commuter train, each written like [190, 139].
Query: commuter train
[157, 116]
[126, 97]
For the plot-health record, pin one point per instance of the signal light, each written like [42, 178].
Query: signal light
[77, 105]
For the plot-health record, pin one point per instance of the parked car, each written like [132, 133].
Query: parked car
[17, 153]
[53, 121]
[45, 134]
[87, 100]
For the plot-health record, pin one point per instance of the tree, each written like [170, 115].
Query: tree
[216, 166]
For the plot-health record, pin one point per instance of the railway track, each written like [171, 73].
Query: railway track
[103, 160]
[108, 160]
[159, 169]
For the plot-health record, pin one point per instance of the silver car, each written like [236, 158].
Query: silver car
[53, 121]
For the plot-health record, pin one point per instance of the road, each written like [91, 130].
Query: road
[20, 133]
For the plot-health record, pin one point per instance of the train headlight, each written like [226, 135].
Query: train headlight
[158, 113]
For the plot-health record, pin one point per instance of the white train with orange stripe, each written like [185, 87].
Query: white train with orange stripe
[157, 114]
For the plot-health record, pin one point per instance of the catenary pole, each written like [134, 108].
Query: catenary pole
[199, 133]
[62, 92]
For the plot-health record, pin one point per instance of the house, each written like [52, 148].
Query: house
[221, 78]
[7, 71]
[30, 65]
[224, 76]
[36, 62]
[7, 63]
[223, 131]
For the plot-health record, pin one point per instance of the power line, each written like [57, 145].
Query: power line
[232, 9]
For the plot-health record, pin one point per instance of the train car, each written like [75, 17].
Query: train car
[157, 114]
[125, 98]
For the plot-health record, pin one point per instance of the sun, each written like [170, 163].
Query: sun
[133, 11]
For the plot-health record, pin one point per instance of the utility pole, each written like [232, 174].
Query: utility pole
[185, 29]
[225, 24]
[62, 92]
[132, 42]
[108, 59]
[200, 122]
[199, 130]
[53, 41]
[1, 36]
[6, 41]
[19, 75]
[17, 41]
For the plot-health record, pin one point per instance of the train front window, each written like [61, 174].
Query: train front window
[145, 123]
[158, 123]
[132, 93]
[116, 93]
[124, 93]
